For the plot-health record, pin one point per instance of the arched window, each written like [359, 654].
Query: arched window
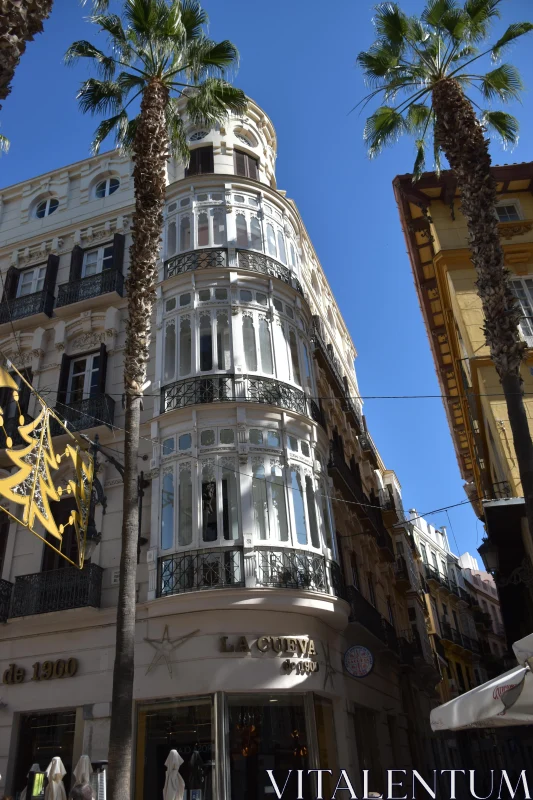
[230, 515]
[209, 504]
[279, 526]
[298, 508]
[255, 233]
[185, 506]
[281, 248]
[259, 498]
[311, 511]
[223, 341]
[293, 346]
[169, 368]
[167, 511]
[106, 187]
[280, 345]
[185, 233]
[242, 231]
[206, 343]
[271, 241]
[248, 336]
[46, 207]
[219, 226]
[203, 230]
[185, 346]
[265, 346]
[171, 238]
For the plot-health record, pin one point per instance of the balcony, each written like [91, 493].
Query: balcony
[237, 388]
[401, 573]
[368, 446]
[84, 414]
[369, 617]
[57, 590]
[27, 306]
[245, 259]
[433, 574]
[335, 370]
[501, 491]
[5, 599]
[223, 568]
[109, 280]
[461, 639]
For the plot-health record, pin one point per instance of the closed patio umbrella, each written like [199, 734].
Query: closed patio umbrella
[83, 770]
[502, 701]
[174, 788]
[55, 773]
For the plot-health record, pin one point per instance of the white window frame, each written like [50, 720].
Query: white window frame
[47, 211]
[99, 260]
[511, 201]
[209, 210]
[89, 369]
[107, 186]
[257, 317]
[218, 463]
[525, 324]
[269, 462]
[38, 274]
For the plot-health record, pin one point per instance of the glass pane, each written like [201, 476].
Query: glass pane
[289, 312]
[248, 336]
[167, 512]
[203, 230]
[201, 198]
[230, 520]
[278, 305]
[292, 443]
[114, 183]
[204, 295]
[278, 523]
[185, 234]
[307, 367]
[185, 508]
[255, 233]
[239, 198]
[227, 436]
[185, 202]
[221, 294]
[100, 189]
[185, 299]
[298, 506]
[259, 499]
[209, 505]
[311, 511]
[170, 351]
[219, 226]
[185, 347]
[256, 436]
[265, 347]
[271, 241]
[223, 343]
[242, 231]
[305, 449]
[53, 204]
[325, 516]
[171, 238]
[185, 441]
[261, 298]
[246, 296]
[293, 345]
[107, 258]
[206, 343]
[281, 248]
[170, 305]
[273, 439]
[280, 346]
[207, 438]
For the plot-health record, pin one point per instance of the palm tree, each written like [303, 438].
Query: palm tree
[422, 68]
[167, 62]
[19, 23]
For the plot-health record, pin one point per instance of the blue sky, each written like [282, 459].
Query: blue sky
[298, 63]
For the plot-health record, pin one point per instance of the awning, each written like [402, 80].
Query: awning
[503, 701]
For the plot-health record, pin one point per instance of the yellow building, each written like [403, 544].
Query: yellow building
[445, 280]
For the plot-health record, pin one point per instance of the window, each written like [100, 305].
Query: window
[167, 511]
[248, 335]
[227, 436]
[168, 446]
[245, 165]
[223, 341]
[278, 518]
[107, 187]
[209, 504]
[84, 378]
[281, 247]
[292, 443]
[423, 553]
[371, 589]
[390, 612]
[327, 519]
[293, 346]
[242, 231]
[171, 238]
[259, 498]
[298, 505]
[271, 241]
[219, 498]
[31, 281]
[256, 436]
[96, 261]
[46, 207]
[311, 511]
[5, 521]
[185, 233]
[523, 290]
[201, 161]
[185, 505]
[211, 227]
[206, 343]
[255, 234]
[197, 136]
[507, 212]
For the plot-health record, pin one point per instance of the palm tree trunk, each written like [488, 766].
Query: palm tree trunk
[461, 137]
[20, 20]
[149, 175]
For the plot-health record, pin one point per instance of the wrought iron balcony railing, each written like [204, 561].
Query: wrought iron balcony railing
[401, 571]
[218, 257]
[109, 280]
[501, 490]
[26, 306]
[221, 568]
[57, 590]
[243, 389]
[365, 614]
[89, 413]
[6, 589]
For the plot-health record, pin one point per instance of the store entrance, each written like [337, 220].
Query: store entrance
[183, 726]
[41, 737]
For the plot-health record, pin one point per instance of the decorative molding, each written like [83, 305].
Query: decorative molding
[87, 340]
[508, 230]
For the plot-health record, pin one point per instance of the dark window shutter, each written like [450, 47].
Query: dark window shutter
[63, 380]
[50, 276]
[11, 282]
[192, 169]
[206, 160]
[103, 369]
[240, 163]
[76, 263]
[25, 392]
[252, 168]
[118, 251]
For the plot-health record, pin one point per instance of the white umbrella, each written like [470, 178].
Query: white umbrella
[505, 700]
[83, 770]
[174, 788]
[55, 773]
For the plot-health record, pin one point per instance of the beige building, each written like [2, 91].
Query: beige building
[279, 618]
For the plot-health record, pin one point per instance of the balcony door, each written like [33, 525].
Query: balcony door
[61, 512]
[84, 378]
[97, 260]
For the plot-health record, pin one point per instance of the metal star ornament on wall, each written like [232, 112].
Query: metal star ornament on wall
[329, 671]
[164, 648]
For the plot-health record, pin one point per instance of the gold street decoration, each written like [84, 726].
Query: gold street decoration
[33, 484]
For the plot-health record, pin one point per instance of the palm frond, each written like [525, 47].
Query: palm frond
[105, 128]
[391, 24]
[176, 132]
[435, 10]
[420, 161]
[205, 57]
[126, 82]
[513, 32]
[100, 97]
[377, 62]
[480, 14]
[504, 125]
[193, 18]
[126, 135]
[417, 117]
[385, 125]
[210, 102]
[105, 64]
[5, 144]
[112, 25]
[504, 83]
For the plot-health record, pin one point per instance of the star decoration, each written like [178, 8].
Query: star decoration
[164, 648]
[329, 672]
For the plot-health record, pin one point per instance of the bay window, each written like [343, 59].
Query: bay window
[269, 500]
[298, 505]
[219, 500]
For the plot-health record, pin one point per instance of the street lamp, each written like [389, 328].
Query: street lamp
[490, 556]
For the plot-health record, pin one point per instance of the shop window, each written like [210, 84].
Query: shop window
[267, 732]
[41, 737]
[201, 161]
[185, 726]
[245, 165]
[298, 505]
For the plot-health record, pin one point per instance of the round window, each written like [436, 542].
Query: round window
[198, 135]
[46, 207]
[107, 187]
